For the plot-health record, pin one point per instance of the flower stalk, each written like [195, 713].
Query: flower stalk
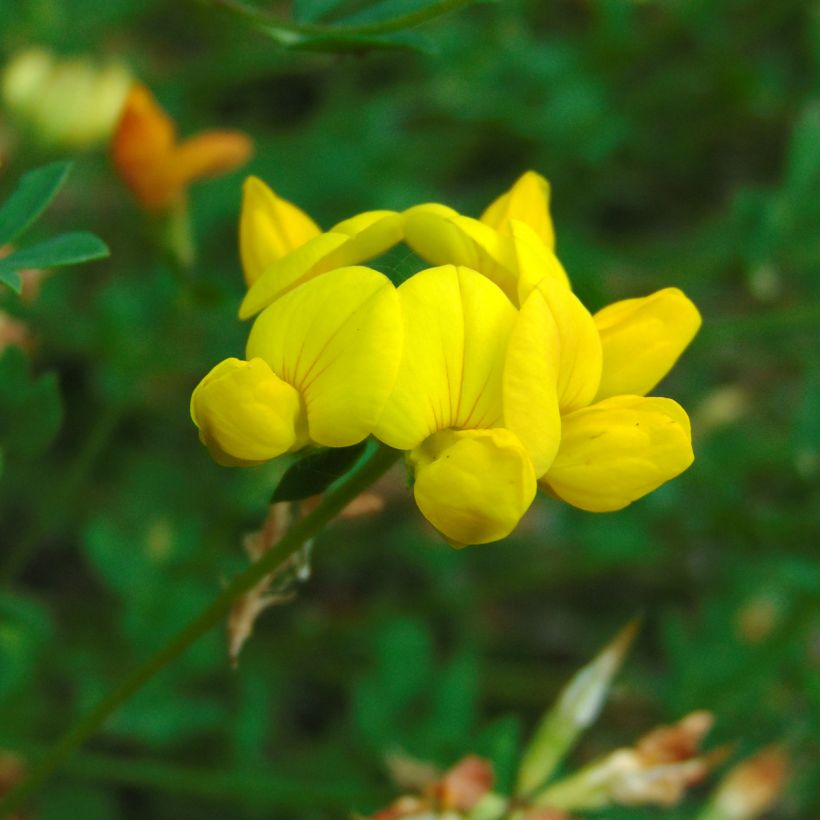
[333, 502]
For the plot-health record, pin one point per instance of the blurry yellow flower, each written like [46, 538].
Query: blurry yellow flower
[321, 363]
[155, 165]
[281, 246]
[475, 403]
[72, 103]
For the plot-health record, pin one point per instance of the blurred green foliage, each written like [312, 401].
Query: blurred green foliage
[682, 138]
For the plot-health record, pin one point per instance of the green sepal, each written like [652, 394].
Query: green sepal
[316, 471]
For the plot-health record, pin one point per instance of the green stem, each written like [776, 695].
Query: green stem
[333, 502]
[294, 30]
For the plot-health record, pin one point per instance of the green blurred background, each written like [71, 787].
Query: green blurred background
[682, 140]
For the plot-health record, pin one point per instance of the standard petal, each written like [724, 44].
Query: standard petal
[443, 236]
[530, 386]
[641, 340]
[246, 414]
[579, 365]
[527, 201]
[618, 450]
[337, 339]
[269, 228]
[456, 325]
[289, 272]
[473, 486]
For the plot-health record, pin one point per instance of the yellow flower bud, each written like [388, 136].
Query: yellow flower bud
[473, 486]
[246, 414]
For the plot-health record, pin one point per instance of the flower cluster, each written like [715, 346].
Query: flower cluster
[486, 369]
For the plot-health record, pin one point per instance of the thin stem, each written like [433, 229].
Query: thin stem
[298, 30]
[334, 501]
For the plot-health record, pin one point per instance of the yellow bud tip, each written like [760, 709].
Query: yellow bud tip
[473, 486]
[246, 414]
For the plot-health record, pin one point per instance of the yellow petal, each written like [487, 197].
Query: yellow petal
[642, 339]
[443, 236]
[337, 339]
[530, 386]
[354, 240]
[456, 325]
[618, 450]
[371, 234]
[528, 202]
[269, 228]
[290, 271]
[579, 367]
[535, 261]
[473, 486]
[246, 414]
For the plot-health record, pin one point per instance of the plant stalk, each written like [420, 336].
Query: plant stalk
[333, 502]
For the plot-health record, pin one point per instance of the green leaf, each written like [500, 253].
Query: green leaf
[314, 473]
[309, 11]
[803, 160]
[577, 707]
[31, 197]
[342, 42]
[500, 741]
[67, 249]
[30, 409]
[384, 10]
[12, 279]
[25, 628]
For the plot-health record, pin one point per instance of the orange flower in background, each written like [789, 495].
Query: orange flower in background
[155, 165]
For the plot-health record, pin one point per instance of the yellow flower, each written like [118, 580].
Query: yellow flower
[475, 402]
[623, 446]
[155, 165]
[321, 362]
[626, 445]
[282, 247]
[487, 371]
[68, 102]
[616, 445]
